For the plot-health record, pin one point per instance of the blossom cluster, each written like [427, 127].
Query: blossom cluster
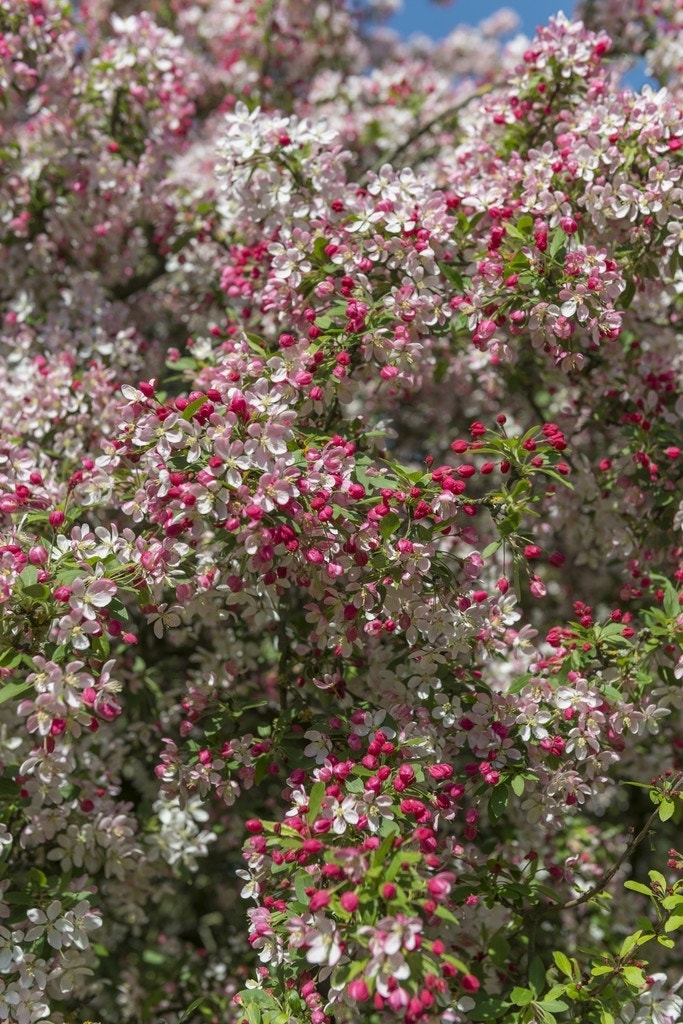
[341, 574]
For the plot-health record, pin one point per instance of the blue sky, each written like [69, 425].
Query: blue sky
[437, 21]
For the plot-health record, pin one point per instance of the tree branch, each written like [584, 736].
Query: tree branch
[609, 875]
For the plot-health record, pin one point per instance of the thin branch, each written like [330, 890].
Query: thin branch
[609, 875]
[145, 278]
[435, 121]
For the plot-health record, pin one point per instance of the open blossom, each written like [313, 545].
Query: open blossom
[51, 922]
[659, 1003]
[77, 632]
[11, 950]
[88, 597]
[318, 746]
[440, 885]
[652, 714]
[341, 814]
[164, 617]
[393, 935]
[376, 808]
[533, 722]
[323, 942]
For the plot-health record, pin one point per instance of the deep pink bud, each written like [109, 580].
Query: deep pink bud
[470, 983]
[318, 900]
[349, 901]
[312, 846]
[358, 990]
[38, 555]
[440, 885]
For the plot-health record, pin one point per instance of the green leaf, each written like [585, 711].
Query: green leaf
[191, 1008]
[262, 765]
[633, 976]
[10, 658]
[191, 409]
[256, 344]
[664, 940]
[518, 685]
[185, 363]
[638, 887]
[9, 789]
[390, 524]
[29, 575]
[373, 483]
[671, 605]
[517, 783]
[36, 877]
[12, 690]
[381, 852]
[446, 915]
[498, 800]
[537, 975]
[387, 828]
[499, 949]
[488, 1009]
[300, 885]
[666, 809]
[563, 963]
[627, 296]
[153, 956]
[612, 630]
[674, 922]
[319, 247]
[491, 548]
[554, 993]
[521, 230]
[37, 591]
[19, 899]
[557, 240]
[315, 801]
[347, 972]
[547, 471]
[453, 275]
[631, 941]
[253, 1014]
[521, 996]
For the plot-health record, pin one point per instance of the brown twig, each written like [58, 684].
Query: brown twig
[609, 875]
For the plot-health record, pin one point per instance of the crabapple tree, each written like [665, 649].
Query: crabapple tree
[341, 500]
